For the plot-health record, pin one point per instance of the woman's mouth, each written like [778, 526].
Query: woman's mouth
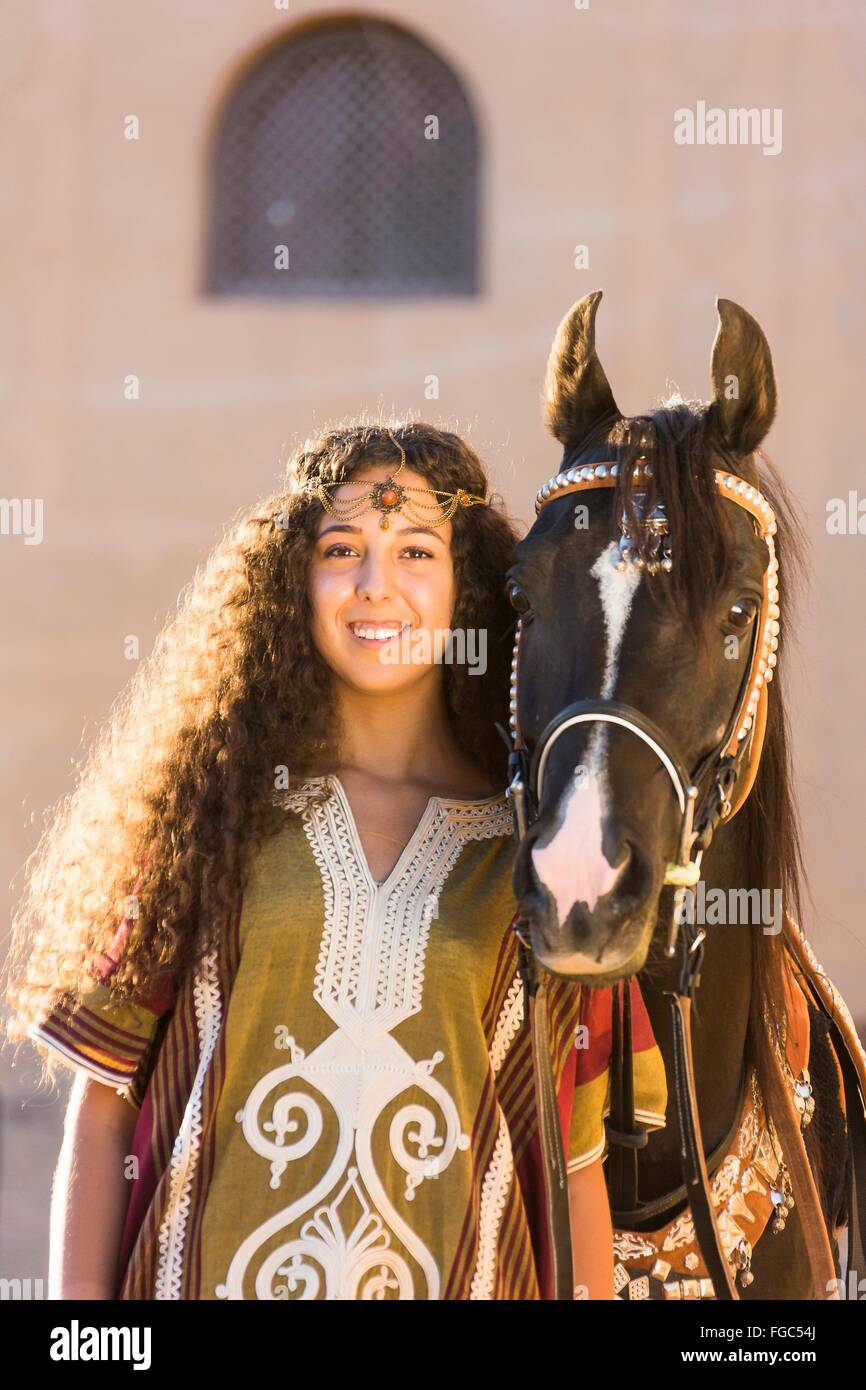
[375, 634]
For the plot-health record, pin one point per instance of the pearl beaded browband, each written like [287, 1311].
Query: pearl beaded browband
[764, 656]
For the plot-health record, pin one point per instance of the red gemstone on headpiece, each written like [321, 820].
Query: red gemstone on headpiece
[389, 496]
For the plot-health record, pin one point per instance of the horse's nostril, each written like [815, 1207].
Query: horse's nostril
[633, 881]
[619, 868]
[623, 859]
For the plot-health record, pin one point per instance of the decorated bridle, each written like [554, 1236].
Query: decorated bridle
[729, 772]
[734, 761]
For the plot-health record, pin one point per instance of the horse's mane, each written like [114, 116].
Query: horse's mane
[683, 444]
[771, 827]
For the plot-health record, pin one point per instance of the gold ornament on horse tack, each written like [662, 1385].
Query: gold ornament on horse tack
[656, 526]
[390, 496]
[750, 1188]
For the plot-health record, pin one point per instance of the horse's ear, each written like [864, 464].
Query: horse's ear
[741, 369]
[576, 394]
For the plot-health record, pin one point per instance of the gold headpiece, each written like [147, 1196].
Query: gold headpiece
[389, 496]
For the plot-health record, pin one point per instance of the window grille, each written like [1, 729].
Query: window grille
[323, 150]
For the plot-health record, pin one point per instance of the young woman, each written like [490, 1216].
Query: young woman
[303, 1068]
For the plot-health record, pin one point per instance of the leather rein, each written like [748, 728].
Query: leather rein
[728, 772]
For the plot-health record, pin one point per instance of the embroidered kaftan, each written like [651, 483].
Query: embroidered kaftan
[339, 1102]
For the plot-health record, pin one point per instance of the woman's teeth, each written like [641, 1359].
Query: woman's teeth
[369, 633]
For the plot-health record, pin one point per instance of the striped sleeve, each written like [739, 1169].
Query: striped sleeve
[587, 1138]
[108, 1038]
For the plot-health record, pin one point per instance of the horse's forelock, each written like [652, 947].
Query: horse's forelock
[680, 444]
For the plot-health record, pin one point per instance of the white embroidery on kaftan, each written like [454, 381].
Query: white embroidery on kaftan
[369, 978]
[187, 1144]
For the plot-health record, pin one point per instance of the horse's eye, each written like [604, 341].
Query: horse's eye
[741, 614]
[518, 598]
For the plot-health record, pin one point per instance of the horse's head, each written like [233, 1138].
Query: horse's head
[648, 594]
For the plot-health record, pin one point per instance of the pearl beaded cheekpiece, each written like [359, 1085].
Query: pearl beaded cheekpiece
[736, 490]
[390, 496]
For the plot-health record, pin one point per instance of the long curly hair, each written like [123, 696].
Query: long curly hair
[177, 790]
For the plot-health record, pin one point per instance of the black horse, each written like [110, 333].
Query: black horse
[672, 641]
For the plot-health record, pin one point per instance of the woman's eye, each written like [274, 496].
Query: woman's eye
[341, 548]
[742, 613]
[518, 599]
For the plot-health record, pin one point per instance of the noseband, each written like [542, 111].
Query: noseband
[728, 772]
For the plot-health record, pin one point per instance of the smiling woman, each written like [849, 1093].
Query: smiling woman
[370, 585]
[313, 1000]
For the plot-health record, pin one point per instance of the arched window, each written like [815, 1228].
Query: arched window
[325, 149]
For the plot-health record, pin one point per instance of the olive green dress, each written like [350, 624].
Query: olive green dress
[338, 1103]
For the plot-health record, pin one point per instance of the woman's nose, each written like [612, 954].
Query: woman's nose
[375, 580]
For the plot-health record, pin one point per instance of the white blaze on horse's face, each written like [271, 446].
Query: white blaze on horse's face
[573, 866]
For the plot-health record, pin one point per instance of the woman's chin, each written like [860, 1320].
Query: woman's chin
[374, 676]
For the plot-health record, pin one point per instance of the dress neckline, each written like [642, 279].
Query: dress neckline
[416, 839]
